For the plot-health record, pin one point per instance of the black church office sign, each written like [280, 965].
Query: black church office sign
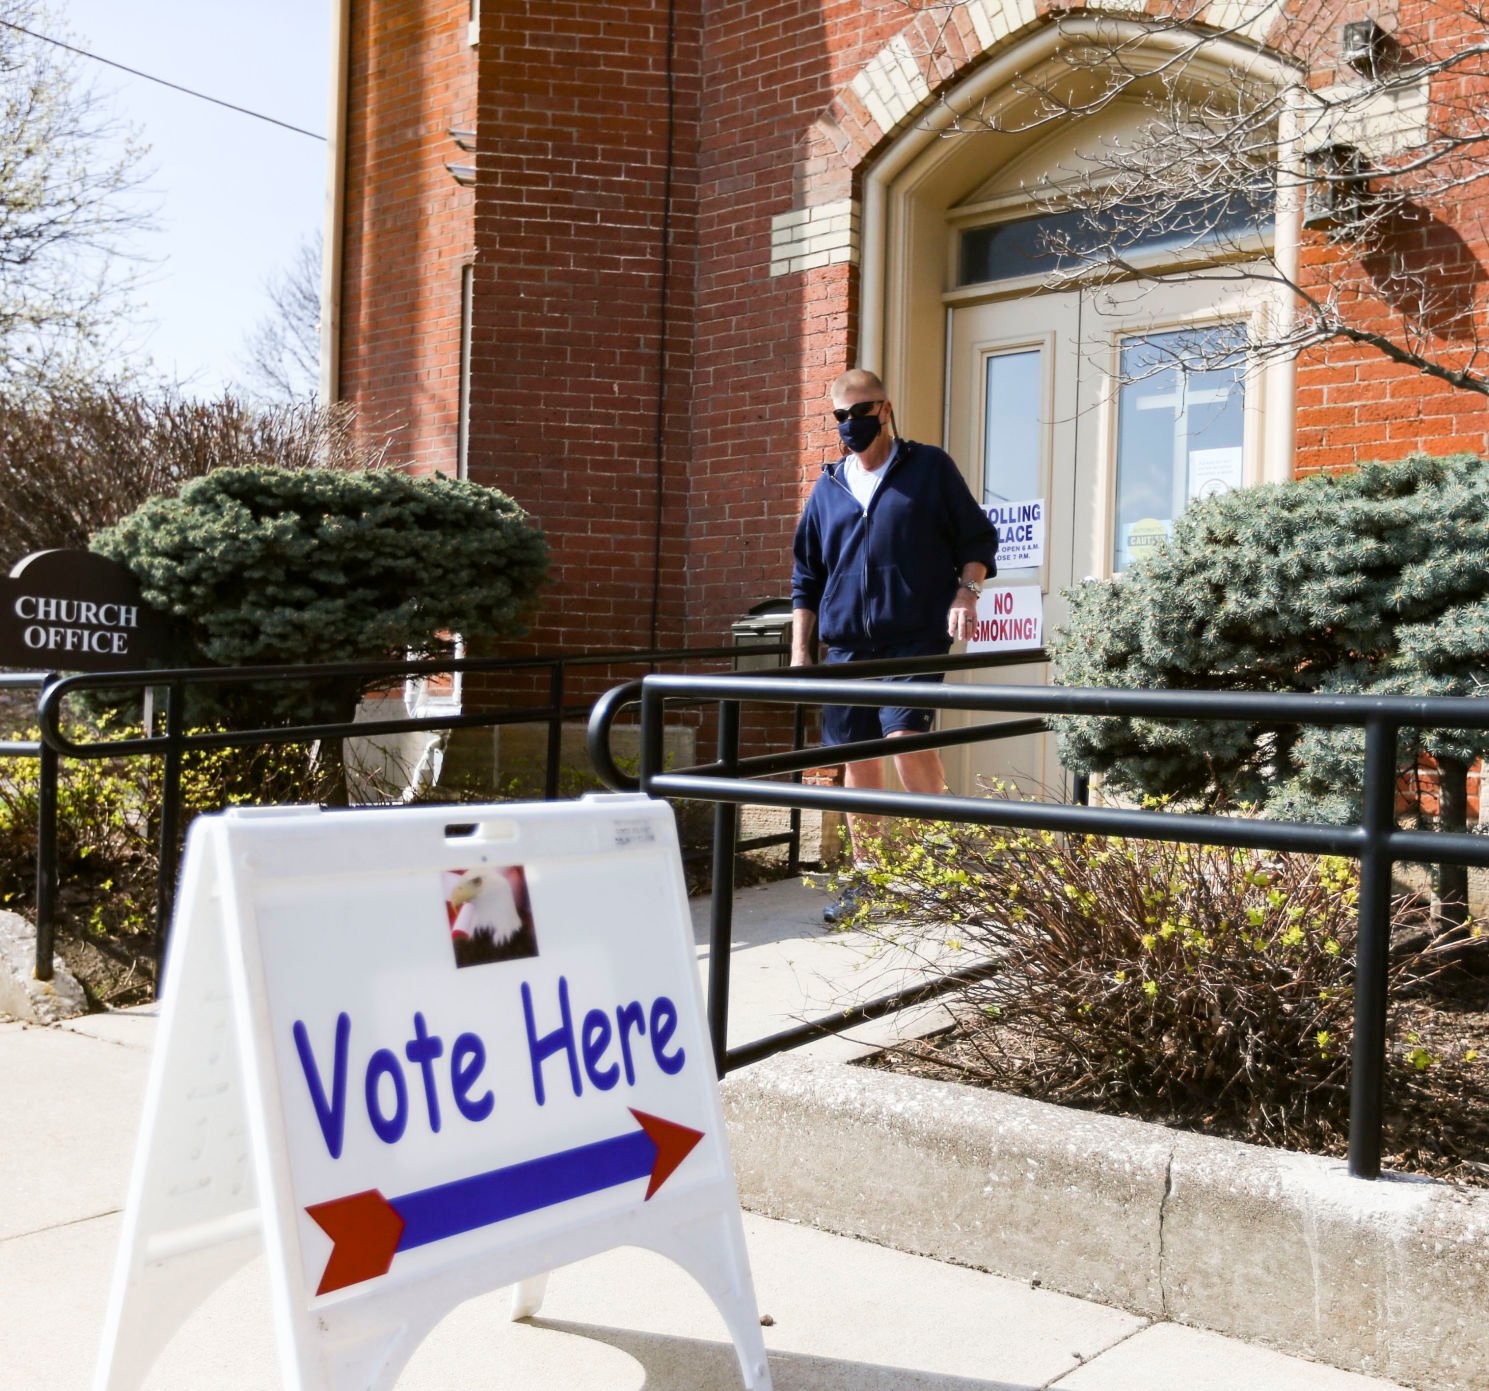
[76, 611]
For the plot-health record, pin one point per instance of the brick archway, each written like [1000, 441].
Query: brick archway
[906, 79]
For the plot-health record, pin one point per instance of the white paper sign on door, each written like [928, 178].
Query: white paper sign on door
[419, 1054]
[1009, 619]
[1020, 532]
[1213, 471]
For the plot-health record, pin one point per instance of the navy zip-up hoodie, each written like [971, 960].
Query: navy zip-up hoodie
[888, 574]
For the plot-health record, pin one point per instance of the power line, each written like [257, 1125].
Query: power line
[150, 77]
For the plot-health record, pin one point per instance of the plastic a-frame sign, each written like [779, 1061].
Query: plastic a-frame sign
[414, 1055]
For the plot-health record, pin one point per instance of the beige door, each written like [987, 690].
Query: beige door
[1111, 408]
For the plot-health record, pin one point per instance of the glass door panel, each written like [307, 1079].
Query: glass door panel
[1013, 439]
[1180, 430]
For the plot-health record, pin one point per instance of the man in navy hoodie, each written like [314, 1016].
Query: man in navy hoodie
[890, 555]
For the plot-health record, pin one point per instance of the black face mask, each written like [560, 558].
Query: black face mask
[858, 434]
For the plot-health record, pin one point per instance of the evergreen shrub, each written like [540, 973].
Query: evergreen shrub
[1375, 581]
[271, 565]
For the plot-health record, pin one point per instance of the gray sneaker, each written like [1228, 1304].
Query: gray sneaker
[847, 905]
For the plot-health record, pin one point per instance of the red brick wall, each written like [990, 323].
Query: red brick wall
[1354, 404]
[566, 365]
[762, 352]
[567, 231]
[408, 226]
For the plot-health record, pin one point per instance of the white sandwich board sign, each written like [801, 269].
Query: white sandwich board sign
[418, 1054]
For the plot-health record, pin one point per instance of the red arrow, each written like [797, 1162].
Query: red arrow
[364, 1229]
[674, 1143]
[367, 1229]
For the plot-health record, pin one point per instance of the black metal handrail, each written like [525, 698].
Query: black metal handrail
[21, 681]
[1375, 840]
[609, 706]
[175, 740]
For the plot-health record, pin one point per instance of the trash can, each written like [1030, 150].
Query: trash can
[765, 625]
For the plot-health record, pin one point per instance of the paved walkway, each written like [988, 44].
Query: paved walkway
[846, 1316]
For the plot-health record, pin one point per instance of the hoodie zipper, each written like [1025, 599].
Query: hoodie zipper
[836, 475]
[863, 521]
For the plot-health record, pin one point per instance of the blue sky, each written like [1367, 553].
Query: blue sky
[233, 196]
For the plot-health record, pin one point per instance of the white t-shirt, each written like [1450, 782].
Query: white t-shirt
[861, 481]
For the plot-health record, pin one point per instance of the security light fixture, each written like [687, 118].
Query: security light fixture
[1338, 189]
[1363, 46]
[463, 174]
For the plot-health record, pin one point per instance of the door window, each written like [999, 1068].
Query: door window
[1013, 432]
[1180, 429]
[1013, 435]
[1080, 238]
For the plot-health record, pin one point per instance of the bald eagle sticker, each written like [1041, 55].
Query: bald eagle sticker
[490, 915]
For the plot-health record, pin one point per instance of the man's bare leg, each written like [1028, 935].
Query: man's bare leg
[919, 771]
[864, 831]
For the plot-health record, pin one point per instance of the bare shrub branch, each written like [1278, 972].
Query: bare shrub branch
[1187, 981]
[83, 457]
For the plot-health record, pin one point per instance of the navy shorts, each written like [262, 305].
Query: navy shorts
[846, 724]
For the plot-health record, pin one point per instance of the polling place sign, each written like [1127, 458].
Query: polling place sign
[1020, 533]
[76, 611]
[414, 1059]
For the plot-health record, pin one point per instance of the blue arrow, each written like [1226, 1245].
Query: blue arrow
[432, 1214]
[367, 1230]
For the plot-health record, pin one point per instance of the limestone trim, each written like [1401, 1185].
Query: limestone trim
[807, 238]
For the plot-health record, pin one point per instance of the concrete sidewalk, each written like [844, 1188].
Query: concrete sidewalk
[844, 1314]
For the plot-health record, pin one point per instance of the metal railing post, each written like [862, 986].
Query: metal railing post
[170, 823]
[1372, 952]
[721, 907]
[653, 714]
[555, 733]
[46, 851]
[798, 739]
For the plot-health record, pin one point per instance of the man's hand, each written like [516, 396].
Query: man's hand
[961, 618]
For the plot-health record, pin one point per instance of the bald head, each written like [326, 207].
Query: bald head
[857, 382]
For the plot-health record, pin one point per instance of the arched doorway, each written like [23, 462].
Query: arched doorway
[1072, 404]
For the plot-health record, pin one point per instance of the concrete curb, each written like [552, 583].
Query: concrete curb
[22, 996]
[1389, 1278]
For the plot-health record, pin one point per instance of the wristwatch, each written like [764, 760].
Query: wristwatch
[973, 587]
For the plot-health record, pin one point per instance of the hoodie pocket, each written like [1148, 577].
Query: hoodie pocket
[890, 603]
[832, 621]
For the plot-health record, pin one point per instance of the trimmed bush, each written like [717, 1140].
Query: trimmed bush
[1375, 581]
[270, 565]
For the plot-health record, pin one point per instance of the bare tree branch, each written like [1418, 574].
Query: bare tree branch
[66, 210]
[1386, 156]
[284, 348]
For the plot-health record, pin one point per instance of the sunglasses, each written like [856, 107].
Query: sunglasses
[856, 411]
